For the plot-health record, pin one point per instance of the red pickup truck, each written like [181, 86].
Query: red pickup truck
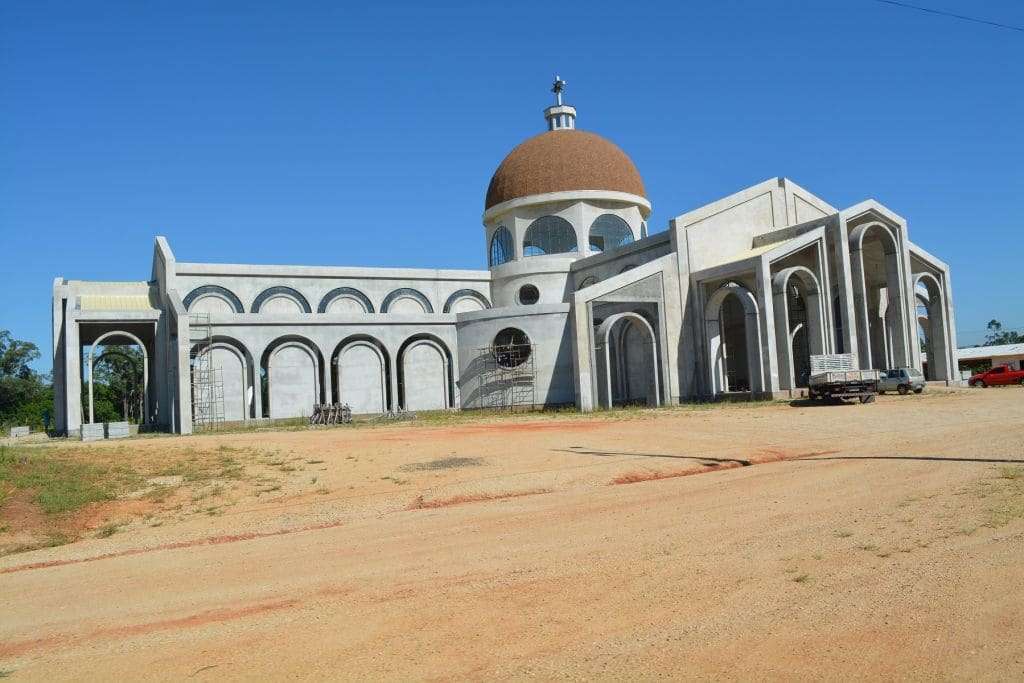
[997, 376]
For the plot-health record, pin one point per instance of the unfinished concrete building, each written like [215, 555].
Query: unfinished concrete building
[579, 305]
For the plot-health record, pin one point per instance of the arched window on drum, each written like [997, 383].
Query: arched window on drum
[549, 235]
[609, 232]
[502, 247]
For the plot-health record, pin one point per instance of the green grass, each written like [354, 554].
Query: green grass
[60, 484]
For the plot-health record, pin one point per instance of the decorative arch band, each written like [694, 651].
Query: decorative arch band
[344, 291]
[463, 294]
[280, 291]
[406, 292]
[215, 290]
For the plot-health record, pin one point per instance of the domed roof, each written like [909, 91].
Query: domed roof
[563, 161]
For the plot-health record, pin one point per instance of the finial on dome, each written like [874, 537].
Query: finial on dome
[561, 116]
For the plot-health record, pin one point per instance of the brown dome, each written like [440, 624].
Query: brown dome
[563, 161]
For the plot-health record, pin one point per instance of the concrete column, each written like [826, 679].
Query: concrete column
[72, 374]
[60, 420]
[769, 354]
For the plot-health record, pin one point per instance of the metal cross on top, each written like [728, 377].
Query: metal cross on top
[557, 87]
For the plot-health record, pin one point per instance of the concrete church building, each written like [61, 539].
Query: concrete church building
[579, 305]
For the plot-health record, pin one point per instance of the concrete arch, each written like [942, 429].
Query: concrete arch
[361, 372]
[882, 326]
[714, 342]
[278, 291]
[422, 387]
[241, 399]
[603, 346]
[294, 383]
[349, 292]
[222, 293]
[145, 370]
[465, 294]
[816, 316]
[587, 281]
[406, 293]
[940, 366]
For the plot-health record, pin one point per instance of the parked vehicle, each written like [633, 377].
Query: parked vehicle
[997, 376]
[835, 376]
[902, 381]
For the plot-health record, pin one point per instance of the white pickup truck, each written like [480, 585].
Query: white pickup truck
[835, 376]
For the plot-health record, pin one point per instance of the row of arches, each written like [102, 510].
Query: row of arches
[283, 299]
[555, 235]
[288, 377]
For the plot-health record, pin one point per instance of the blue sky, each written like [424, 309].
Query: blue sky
[365, 133]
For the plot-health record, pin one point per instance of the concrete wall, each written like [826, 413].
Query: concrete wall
[547, 327]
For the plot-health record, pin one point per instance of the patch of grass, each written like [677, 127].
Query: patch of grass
[441, 464]
[59, 483]
[109, 529]
[869, 547]
[801, 578]
[1011, 472]
[842, 533]
[51, 541]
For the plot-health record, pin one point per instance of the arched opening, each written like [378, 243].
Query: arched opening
[879, 297]
[934, 324]
[425, 374]
[799, 324]
[732, 341]
[361, 372]
[123, 379]
[233, 367]
[609, 232]
[626, 349]
[587, 281]
[549, 235]
[290, 374]
[280, 299]
[502, 247]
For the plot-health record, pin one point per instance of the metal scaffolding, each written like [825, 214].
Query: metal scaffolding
[508, 376]
[207, 380]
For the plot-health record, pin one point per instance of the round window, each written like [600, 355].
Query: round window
[528, 295]
[511, 347]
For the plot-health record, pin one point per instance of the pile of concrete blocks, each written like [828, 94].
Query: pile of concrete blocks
[17, 432]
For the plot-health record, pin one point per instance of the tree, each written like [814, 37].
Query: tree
[26, 397]
[117, 384]
[997, 335]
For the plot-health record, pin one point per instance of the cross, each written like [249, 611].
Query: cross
[557, 88]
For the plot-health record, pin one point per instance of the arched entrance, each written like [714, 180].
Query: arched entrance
[234, 367]
[118, 337]
[291, 369]
[732, 341]
[879, 298]
[424, 374]
[799, 324]
[627, 358]
[936, 327]
[361, 370]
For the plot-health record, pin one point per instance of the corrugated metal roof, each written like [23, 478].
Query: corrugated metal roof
[114, 302]
[991, 351]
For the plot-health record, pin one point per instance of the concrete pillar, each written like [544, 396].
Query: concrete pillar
[72, 374]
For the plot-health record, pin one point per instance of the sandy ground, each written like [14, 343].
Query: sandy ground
[870, 541]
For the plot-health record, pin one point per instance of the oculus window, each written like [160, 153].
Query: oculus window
[528, 295]
[511, 347]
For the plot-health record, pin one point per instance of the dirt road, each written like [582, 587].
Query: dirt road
[870, 541]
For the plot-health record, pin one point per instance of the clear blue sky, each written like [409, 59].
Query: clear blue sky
[365, 133]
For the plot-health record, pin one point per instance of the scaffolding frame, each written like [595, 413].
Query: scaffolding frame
[207, 380]
[508, 376]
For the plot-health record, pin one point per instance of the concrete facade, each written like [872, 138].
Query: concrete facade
[731, 299]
